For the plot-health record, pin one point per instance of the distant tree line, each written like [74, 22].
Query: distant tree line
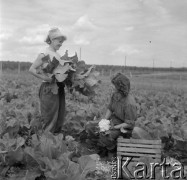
[105, 69]
[13, 65]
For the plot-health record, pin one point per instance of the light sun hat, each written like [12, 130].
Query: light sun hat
[54, 33]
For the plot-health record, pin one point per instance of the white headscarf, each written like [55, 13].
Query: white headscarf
[54, 33]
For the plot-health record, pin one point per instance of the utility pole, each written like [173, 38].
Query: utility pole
[19, 69]
[80, 53]
[153, 65]
[125, 61]
[171, 65]
[1, 67]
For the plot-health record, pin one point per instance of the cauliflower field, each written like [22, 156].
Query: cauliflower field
[26, 153]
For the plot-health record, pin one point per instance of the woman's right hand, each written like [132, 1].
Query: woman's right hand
[79, 76]
[34, 69]
[48, 79]
[61, 77]
[108, 114]
[122, 125]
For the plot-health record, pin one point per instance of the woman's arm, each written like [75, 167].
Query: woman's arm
[124, 125]
[108, 114]
[130, 114]
[33, 69]
[89, 70]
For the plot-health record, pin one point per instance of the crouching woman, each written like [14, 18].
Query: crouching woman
[121, 112]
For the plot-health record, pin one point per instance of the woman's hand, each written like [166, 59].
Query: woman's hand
[123, 130]
[34, 69]
[61, 77]
[123, 125]
[48, 79]
[89, 71]
[79, 76]
[108, 114]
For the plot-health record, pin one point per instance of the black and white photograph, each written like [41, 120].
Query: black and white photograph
[93, 89]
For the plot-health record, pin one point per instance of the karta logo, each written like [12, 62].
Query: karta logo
[121, 169]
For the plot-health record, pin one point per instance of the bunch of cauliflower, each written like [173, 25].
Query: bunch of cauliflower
[104, 125]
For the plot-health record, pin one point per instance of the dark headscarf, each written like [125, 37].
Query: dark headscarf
[122, 83]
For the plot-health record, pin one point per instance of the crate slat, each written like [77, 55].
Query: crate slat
[141, 150]
[139, 141]
[138, 154]
[133, 159]
[151, 146]
[138, 148]
[138, 159]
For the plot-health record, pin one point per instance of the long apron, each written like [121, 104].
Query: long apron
[52, 107]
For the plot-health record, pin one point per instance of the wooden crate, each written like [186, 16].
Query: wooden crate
[139, 148]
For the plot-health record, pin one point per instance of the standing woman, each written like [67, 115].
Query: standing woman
[52, 106]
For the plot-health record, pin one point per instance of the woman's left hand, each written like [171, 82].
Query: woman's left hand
[119, 126]
[79, 76]
[123, 130]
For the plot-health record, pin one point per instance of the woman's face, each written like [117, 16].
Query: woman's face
[124, 90]
[121, 83]
[57, 43]
[113, 87]
[116, 87]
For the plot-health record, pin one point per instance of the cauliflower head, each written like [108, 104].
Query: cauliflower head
[104, 125]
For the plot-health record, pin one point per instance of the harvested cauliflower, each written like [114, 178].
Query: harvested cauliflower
[104, 125]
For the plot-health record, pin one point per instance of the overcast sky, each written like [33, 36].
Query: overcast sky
[106, 30]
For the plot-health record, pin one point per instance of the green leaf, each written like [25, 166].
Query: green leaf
[32, 155]
[11, 123]
[31, 175]
[46, 59]
[86, 164]
[35, 140]
[3, 170]
[73, 168]
[9, 144]
[52, 146]
[20, 142]
[61, 168]
[16, 156]
[48, 145]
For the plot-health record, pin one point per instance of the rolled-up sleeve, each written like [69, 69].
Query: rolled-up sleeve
[130, 114]
[110, 105]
